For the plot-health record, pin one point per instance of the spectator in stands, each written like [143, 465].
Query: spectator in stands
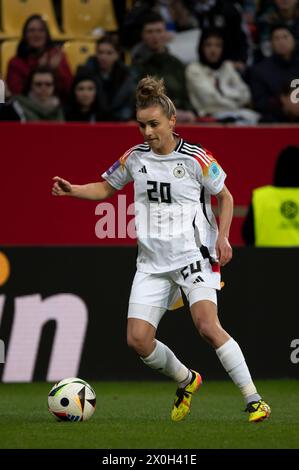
[151, 57]
[226, 15]
[115, 79]
[37, 49]
[269, 77]
[153, 39]
[175, 14]
[177, 18]
[86, 101]
[39, 101]
[273, 216]
[284, 12]
[215, 87]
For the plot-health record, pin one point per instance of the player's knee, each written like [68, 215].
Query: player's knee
[206, 330]
[138, 342]
[203, 326]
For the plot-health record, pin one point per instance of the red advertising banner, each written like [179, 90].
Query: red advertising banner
[32, 154]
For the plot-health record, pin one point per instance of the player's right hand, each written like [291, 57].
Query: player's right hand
[61, 187]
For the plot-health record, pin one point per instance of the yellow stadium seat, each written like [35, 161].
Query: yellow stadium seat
[81, 17]
[15, 12]
[8, 51]
[77, 52]
[4, 36]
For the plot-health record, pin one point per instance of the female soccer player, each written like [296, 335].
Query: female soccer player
[178, 244]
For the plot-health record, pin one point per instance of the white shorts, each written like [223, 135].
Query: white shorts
[153, 294]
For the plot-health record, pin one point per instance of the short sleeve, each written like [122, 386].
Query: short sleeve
[118, 175]
[209, 173]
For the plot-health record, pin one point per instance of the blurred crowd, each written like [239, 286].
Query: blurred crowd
[222, 61]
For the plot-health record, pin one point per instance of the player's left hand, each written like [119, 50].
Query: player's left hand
[224, 250]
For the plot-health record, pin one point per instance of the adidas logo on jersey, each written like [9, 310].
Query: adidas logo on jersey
[197, 280]
[142, 170]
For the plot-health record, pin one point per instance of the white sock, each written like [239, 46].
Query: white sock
[233, 361]
[164, 360]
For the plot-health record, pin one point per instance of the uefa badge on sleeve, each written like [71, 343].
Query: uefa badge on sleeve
[214, 170]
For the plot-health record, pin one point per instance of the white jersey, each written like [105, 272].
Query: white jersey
[175, 224]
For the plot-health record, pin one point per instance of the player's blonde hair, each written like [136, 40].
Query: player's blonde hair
[151, 92]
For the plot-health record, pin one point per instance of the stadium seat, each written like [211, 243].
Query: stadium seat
[77, 52]
[81, 18]
[4, 36]
[15, 12]
[8, 50]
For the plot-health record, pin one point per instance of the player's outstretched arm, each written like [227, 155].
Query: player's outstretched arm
[92, 191]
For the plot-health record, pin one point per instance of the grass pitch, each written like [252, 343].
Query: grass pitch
[132, 415]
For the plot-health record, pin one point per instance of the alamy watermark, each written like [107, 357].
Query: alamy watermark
[294, 357]
[2, 351]
[2, 92]
[294, 96]
[166, 222]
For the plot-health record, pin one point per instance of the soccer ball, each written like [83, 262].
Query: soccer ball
[72, 399]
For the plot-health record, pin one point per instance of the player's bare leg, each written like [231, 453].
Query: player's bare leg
[205, 318]
[141, 337]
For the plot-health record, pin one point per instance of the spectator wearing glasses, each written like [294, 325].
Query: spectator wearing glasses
[35, 49]
[39, 102]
